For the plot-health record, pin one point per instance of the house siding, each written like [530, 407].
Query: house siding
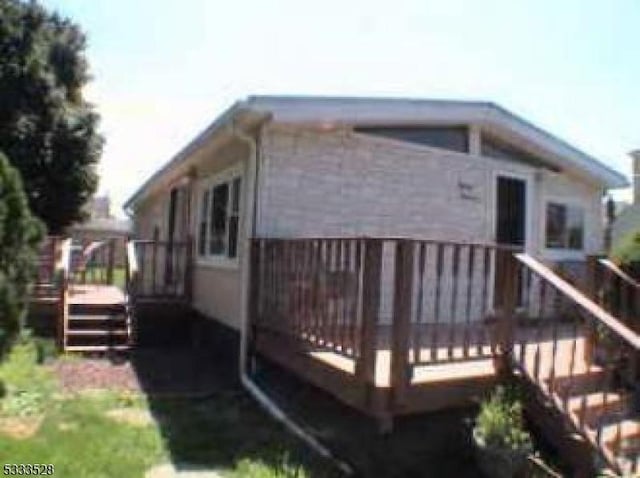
[337, 184]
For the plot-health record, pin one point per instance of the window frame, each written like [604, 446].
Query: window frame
[564, 251]
[206, 186]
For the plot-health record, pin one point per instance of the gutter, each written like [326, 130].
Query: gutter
[249, 385]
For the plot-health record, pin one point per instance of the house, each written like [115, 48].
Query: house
[341, 167]
[401, 254]
[102, 226]
[628, 220]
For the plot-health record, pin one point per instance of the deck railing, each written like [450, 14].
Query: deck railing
[93, 262]
[426, 302]
[614, 290]
[163, 269]
[580, 356]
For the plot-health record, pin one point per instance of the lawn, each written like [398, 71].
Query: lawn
[124, 434]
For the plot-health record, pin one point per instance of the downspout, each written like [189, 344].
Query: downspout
[249, 230]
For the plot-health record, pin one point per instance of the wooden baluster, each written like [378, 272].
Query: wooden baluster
[154, 265]
[347, 292]
[436, 314]
[455, 266]
[333, 312]
[304, 287]
[486, 274]
[572, 360]
[469, 298]
[315, 289]
[539, 327]
[554, 344]
[523, 330]
[607, 377]
[417, 335]
[356, 308]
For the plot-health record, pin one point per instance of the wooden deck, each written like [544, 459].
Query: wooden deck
[96, 294]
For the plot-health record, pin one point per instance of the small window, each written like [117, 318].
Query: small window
[219, 219]
[565, 227]
[454, 138]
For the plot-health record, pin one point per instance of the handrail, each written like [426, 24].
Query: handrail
[64, 263]
[580, 299]
[132, 259]
[613, 267]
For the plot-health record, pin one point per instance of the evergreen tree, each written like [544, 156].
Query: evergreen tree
[20, 234]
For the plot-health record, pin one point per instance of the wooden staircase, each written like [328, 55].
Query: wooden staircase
[583, 361]
[93, 315]
[98, 327]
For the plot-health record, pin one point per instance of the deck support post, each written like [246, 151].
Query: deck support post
[255, 283]
[400, 376]
[507, 285]
[111, 260]
[188, 270]
[366, 362]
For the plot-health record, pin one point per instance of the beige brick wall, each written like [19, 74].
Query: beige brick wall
[338, 183]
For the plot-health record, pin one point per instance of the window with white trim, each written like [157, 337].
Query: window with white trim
[219, 218]
[564, 226]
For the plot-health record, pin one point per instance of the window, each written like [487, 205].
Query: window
[454, 138]
[219, 218]
[565, 226]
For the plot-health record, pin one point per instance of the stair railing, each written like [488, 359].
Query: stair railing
[582, 358]
[614, 290]
[63, 267]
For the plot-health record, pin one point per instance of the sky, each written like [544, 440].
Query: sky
[163, 70]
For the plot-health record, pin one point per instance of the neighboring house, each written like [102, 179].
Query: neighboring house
[294, 167]
[101, 226]
[628, 220]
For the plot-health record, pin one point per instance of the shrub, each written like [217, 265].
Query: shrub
[20, 234]
[627, 250]
[500, 422]
[26, 384]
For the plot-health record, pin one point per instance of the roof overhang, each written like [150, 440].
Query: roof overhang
[219, 132]
[326, 112]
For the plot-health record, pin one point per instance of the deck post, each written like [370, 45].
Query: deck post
[400, 373]
[111, 260]
[188, 270]
[507, 285]
[255, 284]
[366, 362]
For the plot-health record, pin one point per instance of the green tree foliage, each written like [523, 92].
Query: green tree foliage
[20, 234]
[627, 252]
[47, 129]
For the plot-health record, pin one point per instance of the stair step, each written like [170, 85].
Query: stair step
[93, 332]
[580, 383]
[96, 348]
[629, 429]
[97, 317]
[597, 409]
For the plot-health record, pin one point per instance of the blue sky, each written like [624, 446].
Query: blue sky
[164, 69]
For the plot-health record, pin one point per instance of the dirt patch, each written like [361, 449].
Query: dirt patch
[135, 417]
[20, 428]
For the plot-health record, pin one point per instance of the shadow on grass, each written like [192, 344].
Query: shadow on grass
[434, 444]
[207, 420]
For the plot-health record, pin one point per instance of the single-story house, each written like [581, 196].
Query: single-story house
[303, 167]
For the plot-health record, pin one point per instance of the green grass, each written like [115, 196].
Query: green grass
[225, 432]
